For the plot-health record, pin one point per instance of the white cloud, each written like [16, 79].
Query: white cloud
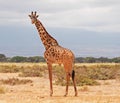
[96, 15]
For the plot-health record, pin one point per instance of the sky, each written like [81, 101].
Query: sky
[87, 27]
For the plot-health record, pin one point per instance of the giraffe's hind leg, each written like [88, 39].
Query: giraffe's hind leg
[70, 73]
[67, 82]
[74, 82]
[68, 69]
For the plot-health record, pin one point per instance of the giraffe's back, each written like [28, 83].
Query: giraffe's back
[58, 54]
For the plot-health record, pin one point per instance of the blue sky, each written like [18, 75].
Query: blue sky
[87, 27]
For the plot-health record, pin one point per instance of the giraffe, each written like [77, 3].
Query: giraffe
[54, 53]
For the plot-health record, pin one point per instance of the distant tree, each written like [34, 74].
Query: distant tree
[8, 59]
[35, 59]
[79, 60]
[42, 59]
[103, 60]
[18, 59]
[90, 60]
[2, 58]
[116, 60]
[96, 60]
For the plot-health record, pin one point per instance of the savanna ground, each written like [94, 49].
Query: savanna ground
[29, 83]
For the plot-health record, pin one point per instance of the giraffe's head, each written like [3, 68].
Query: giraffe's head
[33, 17]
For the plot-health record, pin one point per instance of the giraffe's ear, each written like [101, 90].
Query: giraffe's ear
[37, 16]
[29, 16]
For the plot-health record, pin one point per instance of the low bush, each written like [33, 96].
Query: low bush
[34, 71]
[9, 69]
[15, 81]
[99, 71]
[86, 74]
[81, 79]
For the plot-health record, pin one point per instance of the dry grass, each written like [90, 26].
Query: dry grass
[2, 90]
[38, 91]
[86, 73]
[15, 81]
[84, 88]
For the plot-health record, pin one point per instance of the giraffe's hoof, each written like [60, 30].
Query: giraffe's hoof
[51, 93]
[65, 94]
[76, 94]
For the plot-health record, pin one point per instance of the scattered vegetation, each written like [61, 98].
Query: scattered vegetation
[86, 74]
[9, 68]
[81, 78]
[15, 81]
[24, 69]
[99, 71]
[34, 71]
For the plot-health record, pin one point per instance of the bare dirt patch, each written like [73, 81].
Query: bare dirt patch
[38, 92]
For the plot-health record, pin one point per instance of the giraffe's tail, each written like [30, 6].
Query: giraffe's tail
[73, 71]
[73, 74]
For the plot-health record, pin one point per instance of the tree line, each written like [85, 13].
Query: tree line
[97, 60]
[36, 59]
[19, 59]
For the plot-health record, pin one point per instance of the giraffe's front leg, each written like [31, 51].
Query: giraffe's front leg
[50, 78]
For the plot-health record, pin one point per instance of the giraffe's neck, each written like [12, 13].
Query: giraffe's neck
[47, 39]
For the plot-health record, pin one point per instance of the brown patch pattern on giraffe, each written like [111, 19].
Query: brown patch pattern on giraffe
[55, 54]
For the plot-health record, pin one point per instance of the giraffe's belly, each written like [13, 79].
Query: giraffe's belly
[59, 55]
